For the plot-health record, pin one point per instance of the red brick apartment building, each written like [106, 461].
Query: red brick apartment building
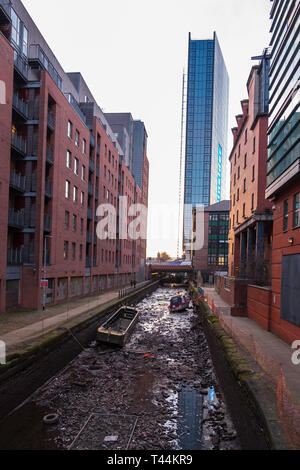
[250, 234]
[60, 160]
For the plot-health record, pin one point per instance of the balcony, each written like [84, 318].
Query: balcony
[21, 67]
[92, 166]
[17, 181]
[91, 189]
[38, 57]
[48, 189]
[50, 155]
[15, 256]
[19, 144]
[88, 262]
[89, 237]
[51, 121]
[16, 219]
[20, 106]
[47, 223]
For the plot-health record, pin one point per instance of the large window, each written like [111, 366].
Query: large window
[67, 190]
[296, 221]
[15, 28]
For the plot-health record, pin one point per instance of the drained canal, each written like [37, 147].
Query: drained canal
[160, 392]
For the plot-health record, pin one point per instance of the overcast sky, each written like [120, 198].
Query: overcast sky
[132, 54]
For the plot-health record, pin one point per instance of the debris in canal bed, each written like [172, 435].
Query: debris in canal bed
[163, 406]
[111, 438]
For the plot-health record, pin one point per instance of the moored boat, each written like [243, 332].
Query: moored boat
[117, 329]
[178, 303]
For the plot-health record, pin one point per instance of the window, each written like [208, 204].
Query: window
[244, 210]
[83, 172]
[70, 125]
[244, 185]
[246, 135]
[285, 215]
[67, 190]
[81, 226]
[77, 138]
[74, 223]
[252, 202]
[237, 217]
[69, 159]
[245, 161]
[296, 222]
[82, 198]
[234, 179]
[73, 251]
[253, 173]
[66, 249]
[239, 172]
[25, 42]
[84, 146]
[254, 144]
[16, 26]
[67, 220]
[233, 221]
[80, 252]
[238, 194]
[239, 150]
[76, 165]
[75, 190]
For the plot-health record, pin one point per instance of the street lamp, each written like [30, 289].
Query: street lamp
[44, 269]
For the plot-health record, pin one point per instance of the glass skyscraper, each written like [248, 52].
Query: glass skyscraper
[206, 129]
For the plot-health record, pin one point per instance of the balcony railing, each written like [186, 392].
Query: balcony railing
[91, 189]
[51, 121]
[20, 106]
[15, 256]
[16, 218]
[47, 223]
[21, 66]
[50, 155]
[92, 166]
[88, 262]
[18, 181]
[48, 189]
[19, 143]
[36, 53]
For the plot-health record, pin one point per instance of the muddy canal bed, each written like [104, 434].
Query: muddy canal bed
[154, 394]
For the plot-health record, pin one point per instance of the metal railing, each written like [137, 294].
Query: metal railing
[48, 188]
[20, 105]
[21, 66]
[16, 218]
[19, 143]
[37, 53]
[50, 155]
[47, 223]
[15, 256]
[51, 120]
[18, 181]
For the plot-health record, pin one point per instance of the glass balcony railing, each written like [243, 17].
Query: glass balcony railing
[15, 256]
[50, 155]
[48, 189]
[21, 66]
[51, 121]
[16, 218]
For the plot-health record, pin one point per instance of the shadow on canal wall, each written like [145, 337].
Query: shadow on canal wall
[26, 373]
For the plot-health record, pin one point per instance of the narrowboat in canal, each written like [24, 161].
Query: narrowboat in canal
[117, 329]
[178, 303]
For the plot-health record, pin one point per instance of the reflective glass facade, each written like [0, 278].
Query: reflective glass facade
[284, 101]
[206, 128]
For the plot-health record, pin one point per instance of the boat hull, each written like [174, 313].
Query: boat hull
[117, 329]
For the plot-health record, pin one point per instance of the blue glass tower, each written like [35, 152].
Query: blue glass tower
[206, 128]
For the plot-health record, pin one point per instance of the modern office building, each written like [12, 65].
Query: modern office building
[213, 256]
[206, 128]
[283, 168]
[60, 160]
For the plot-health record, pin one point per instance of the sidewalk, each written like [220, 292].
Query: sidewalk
[279, 351]
[17, 328]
